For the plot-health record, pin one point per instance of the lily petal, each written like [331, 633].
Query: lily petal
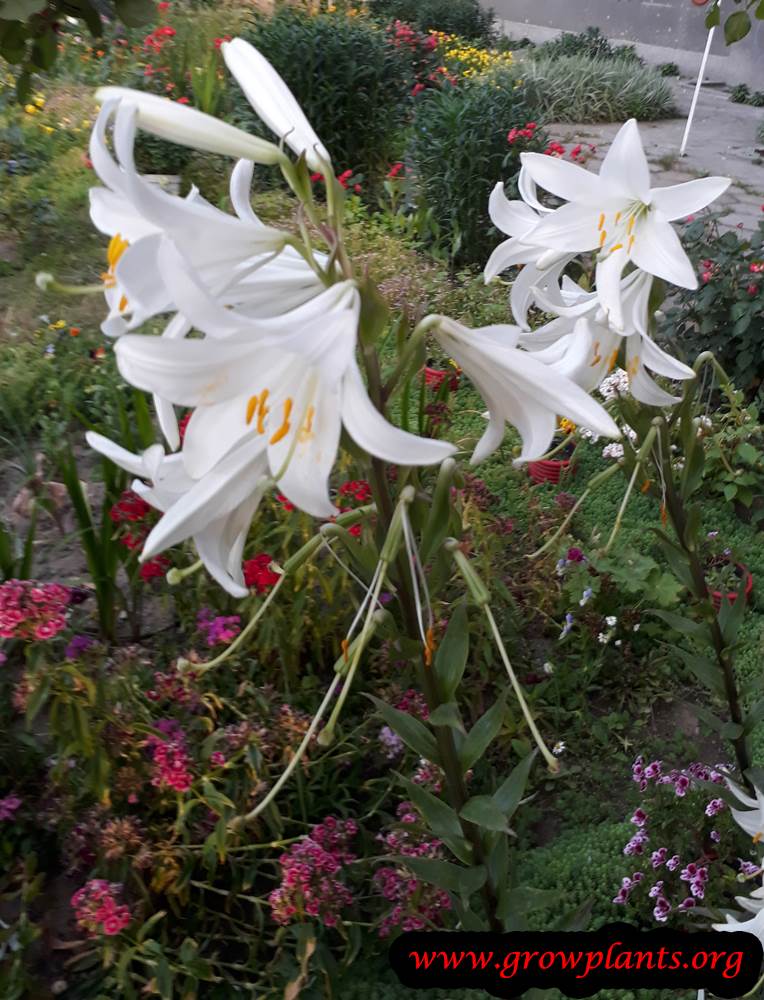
[681, 200]
[625, 166]
[566, 180]
[657, 249]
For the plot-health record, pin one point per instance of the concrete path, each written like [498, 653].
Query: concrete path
[723, 141]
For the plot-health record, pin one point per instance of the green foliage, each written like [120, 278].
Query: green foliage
[459, 151]
[742, 94]
[668, 69]
[28, 37]
[455, 17]
[726, 314]
[590, 42]
[353, 85]
[584, 88]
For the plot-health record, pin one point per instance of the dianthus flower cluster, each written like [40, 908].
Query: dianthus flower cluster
[310, 886]
[416, 905]
[133, 510]
[31, 610]
[172, 764]
[97, 909]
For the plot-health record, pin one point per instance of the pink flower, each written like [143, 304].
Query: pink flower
[8, 806]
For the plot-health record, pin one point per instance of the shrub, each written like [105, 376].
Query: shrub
[353, 85]
[588, 43]
[668, 69]
[459, 151]
[726, 315]
[454, 17]
[742, 94]
[583, 88]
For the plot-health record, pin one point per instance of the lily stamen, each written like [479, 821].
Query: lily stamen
[285, 428]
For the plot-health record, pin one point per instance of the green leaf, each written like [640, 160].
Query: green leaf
[375, 313]
[446, 875]
[451, 657]
[747, 453]
[20, 10]
[509, 794]
[713, 17]
[441, 819]
[731, 731]
[707, 671]
[482, 734]
[150, 924]
[730, 491]
[684, 626]
[134, 13]
[414, 734]
[736, 27]
[754, 716]
[483, 811]
[759, 12]
[447, 714]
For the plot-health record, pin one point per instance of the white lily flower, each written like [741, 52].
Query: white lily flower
[519, 389]
[583, 345]
[274, 102]
[754, 925]
[541, 266]
[750, 819]
[188, 127]
[286, 385]
[214, 511]
[617, 213]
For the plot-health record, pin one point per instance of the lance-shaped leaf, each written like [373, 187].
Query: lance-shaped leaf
[451, 656]
[414, 734]
[440, 818]
[482, 734]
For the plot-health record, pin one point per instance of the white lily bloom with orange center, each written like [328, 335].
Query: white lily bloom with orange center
[583, 345]
[285, 385]
[618, 214]
[518, 388]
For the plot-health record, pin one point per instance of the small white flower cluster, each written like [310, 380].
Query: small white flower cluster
[614, 384]
[615, 448]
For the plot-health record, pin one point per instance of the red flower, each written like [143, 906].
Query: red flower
[395, 170]
[182, 425]
[163, 6]
[219, 41]
[183, 100]
[316, 177]
[419, 87]
[285, 502]
[258, 574]
[154, 568]
[359, 489]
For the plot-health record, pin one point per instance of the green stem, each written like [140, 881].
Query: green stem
[456, 787]
[678, 516]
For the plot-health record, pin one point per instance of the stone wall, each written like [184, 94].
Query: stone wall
[663, 30]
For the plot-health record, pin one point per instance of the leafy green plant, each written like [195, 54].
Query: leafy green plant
[585, 88]
[455, 17]
[742, 94]
[726, 315]
[590, 42]
[352, 83]
[459, 148]
[668, 69]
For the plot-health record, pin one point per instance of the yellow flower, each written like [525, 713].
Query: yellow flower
[30, 109]
[47, 128]
[567, 426]
[39, 101]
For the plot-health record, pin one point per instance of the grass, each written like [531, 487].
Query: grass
[580, 88]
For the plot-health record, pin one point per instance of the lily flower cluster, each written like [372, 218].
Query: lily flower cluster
[750, 819]
[262, 339]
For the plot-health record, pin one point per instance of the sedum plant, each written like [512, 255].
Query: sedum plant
[282, 350]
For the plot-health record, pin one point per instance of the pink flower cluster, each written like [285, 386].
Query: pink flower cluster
[413, 703]
[97, 910]
[415, 904]
[309, 883]
[30, 610]
[172, 764]
[217, 630]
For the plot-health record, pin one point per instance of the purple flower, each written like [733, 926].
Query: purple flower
[716, 836]
[639, 818]
[681, 785]
[656, 890]
[747, 867]
[8, 806]
[78, 645]
[689, 873]
[714, 807]
[3, 658]
[662, 910]
[687, 904]
[392, 744]
[567, 626]
[621, 897]
[673, 863]
[576, 556]
[653, 769]
[657, 858]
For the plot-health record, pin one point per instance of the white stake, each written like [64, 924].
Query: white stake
[698, 85]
